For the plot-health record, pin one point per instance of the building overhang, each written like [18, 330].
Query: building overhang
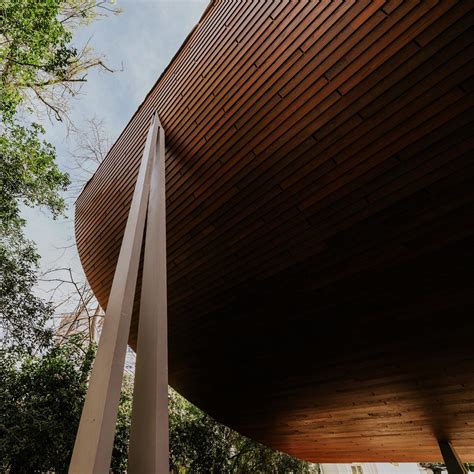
[320, 231]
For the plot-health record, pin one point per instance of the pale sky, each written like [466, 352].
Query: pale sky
[142, 40]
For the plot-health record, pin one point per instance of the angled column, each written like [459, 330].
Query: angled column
[149, 431]
[94, 441]
[451, 459]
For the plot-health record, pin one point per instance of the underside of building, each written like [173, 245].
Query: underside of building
[320, 224]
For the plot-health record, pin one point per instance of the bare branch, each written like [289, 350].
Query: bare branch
[49, 106]
[86, 316]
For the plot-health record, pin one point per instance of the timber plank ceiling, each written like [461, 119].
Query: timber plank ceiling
[320, 223]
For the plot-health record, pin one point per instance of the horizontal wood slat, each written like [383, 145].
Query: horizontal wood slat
[320, 210]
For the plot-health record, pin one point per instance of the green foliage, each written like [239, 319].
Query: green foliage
[122, 430]
[28, 173]
[28, 176]
[438, 468]
[35, 50]
[38, 63]
[199, 444]
[41, 400]
[42, 386]
[252, 457]
[23, 315]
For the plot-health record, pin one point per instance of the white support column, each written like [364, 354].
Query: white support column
[94, 441]
[149, 450]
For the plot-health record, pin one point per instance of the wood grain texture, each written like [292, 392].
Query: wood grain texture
[320, 224]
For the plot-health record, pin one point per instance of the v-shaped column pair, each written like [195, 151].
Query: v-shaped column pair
[149, 432]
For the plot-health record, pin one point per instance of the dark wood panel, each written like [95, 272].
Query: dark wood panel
[320, 199]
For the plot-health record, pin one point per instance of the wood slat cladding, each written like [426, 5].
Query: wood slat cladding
[320, 226]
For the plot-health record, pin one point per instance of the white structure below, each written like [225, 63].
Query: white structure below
[149, 450]
[373, 468]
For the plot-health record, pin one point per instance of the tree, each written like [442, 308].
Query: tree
[42, 384]
[200, 444]
[41, 400]
[28, 176]
[92, 146]
[24, 316]
[438, 468]
[39, 67]
[122, 430]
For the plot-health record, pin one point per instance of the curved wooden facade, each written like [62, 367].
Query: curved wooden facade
[320, 224]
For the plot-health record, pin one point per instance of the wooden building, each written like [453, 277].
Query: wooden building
[320, 224]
